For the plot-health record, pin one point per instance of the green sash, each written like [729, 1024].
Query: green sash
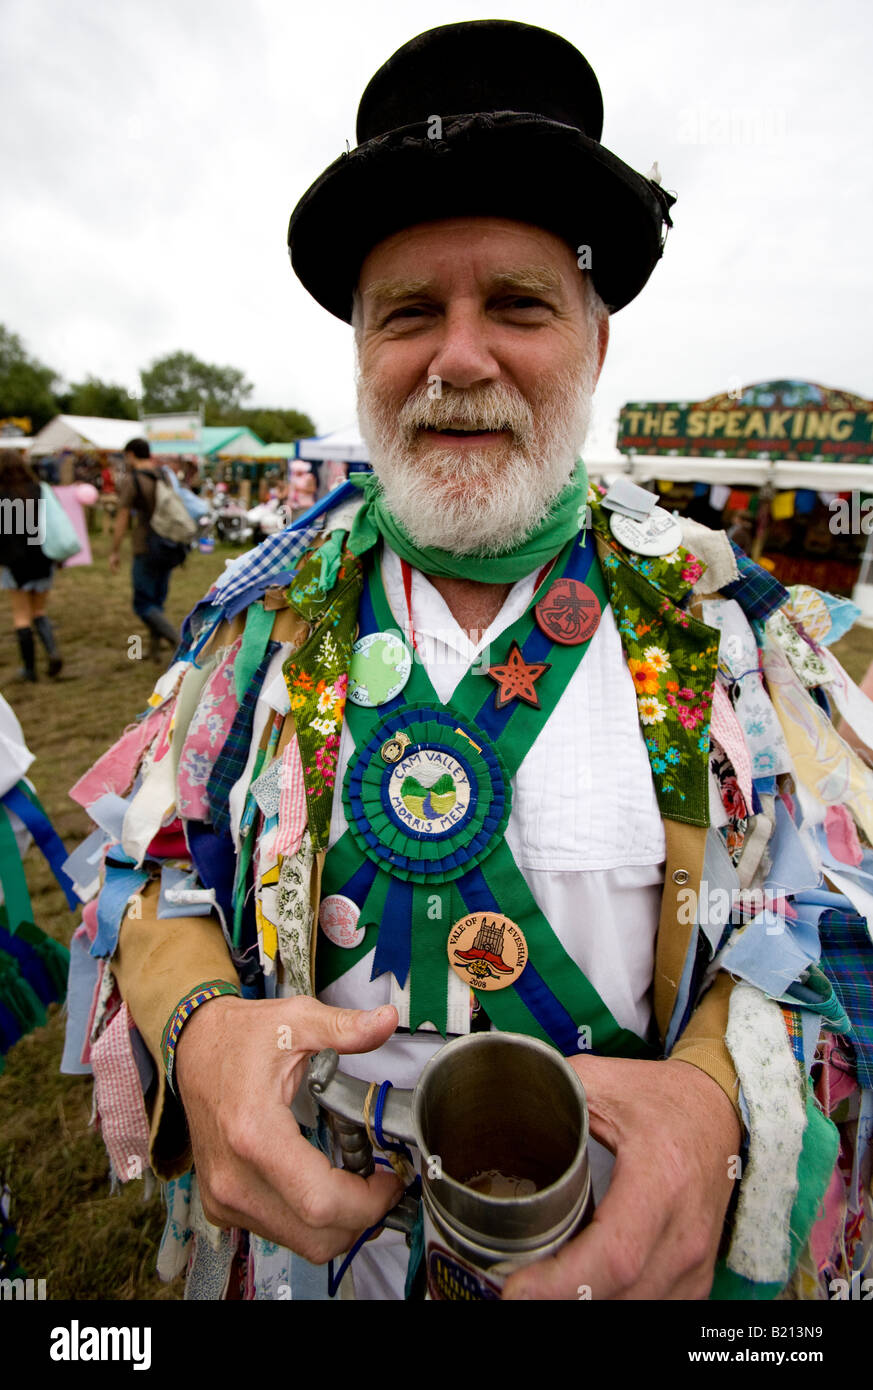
[412, 886]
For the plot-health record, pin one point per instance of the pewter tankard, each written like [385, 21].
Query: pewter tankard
[501, 1122]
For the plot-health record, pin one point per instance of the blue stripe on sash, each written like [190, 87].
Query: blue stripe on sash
[360, 883]
[394, 947]
[489, 718]
[530, 987]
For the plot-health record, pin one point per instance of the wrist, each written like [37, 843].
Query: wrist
[723, 1107]
[189, 1008]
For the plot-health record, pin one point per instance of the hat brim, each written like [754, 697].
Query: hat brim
[503, 164]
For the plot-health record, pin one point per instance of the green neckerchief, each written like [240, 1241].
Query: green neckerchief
[565, 520]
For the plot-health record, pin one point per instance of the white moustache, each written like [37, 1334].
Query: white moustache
[496, 410]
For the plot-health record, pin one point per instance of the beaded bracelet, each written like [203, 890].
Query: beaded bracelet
[182, 1012]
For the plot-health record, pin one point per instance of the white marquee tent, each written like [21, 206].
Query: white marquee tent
[83, 432]
[345, 446]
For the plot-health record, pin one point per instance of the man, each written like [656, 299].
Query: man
[150, 574]
[571, 685]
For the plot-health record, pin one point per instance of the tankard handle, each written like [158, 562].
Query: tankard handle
[344, 1098]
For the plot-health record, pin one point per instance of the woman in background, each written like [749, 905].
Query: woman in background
[25, 570]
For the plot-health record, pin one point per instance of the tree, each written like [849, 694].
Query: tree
[104, 398]
[273, 425]
[180, 381]
[27, 387]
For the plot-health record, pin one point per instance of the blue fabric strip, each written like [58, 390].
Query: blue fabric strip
[119, 887]
[256, 591]
[46, 837]
[394, 947]
[214, 857]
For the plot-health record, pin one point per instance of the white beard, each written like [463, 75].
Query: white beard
[477, 502]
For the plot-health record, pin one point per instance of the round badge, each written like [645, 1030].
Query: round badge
[437, 810]
[657, 534]
[380, 667]
[338, 919]
[487, 950]
[392, 749]
[569, 613]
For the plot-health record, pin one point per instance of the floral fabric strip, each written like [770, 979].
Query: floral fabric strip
[672, 658]
[294, 917]
[207, 732]
[738, 655]
[826, 766]
[805, 660]
[317, 680]
[726, 732]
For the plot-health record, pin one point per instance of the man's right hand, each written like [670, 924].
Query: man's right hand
[113, 561]
[238, 1066]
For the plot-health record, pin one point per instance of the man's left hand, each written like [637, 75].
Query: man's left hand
[657, 1231]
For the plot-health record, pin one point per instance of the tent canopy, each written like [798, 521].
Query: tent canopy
[784, 473]
[345, 445]
[83, 432]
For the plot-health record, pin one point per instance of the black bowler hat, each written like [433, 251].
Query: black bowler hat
[486, 118]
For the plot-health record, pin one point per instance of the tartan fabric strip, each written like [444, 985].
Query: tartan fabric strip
[278, 553]
[756, 591]
[847, 961]
[794, 1029]
[272, 556]
[212, 989]
[233, 757]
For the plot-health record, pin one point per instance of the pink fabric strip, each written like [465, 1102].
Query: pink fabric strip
[116, 769]
[842, 836]
[292, 801]
[119, 1101]
[725, 730]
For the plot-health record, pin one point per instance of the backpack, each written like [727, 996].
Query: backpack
[171, 529]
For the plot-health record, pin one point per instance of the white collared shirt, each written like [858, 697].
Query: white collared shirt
[585, 829]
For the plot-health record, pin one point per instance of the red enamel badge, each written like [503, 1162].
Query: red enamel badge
[569, 613]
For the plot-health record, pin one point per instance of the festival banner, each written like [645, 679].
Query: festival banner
[772, 420]
[182, 428]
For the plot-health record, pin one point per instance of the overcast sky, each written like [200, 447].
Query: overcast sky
[152, 151]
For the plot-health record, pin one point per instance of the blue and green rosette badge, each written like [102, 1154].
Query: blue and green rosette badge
[439, 808]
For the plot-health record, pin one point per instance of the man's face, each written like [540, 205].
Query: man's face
[477, 360]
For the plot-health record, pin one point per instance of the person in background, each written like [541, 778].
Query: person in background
[26, 571]
[151, 579]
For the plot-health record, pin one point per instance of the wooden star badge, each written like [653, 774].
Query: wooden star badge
[515, 678]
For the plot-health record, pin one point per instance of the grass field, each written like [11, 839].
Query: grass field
[85, 1243]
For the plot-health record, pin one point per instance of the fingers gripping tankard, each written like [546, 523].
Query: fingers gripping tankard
[501, 1123]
